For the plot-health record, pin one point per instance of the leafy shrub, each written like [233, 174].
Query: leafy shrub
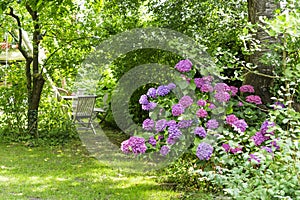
[13, 104]
[55, 122]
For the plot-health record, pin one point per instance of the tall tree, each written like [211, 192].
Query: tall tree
[262, 80]
[53, 26]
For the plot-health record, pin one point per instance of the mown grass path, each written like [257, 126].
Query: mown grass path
[69, 172]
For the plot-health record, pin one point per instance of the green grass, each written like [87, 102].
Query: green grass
[68, 172]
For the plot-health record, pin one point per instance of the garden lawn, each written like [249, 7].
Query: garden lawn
[68, 172]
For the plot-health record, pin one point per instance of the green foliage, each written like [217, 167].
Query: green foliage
[13, 102]
[180, 174]
[214, 24]
[56, 126]
[276, 177]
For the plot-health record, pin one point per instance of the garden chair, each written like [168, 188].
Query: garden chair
[101, 113]
[84, 112]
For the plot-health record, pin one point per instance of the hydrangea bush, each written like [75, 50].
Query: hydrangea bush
[226, 127]
[203, 115]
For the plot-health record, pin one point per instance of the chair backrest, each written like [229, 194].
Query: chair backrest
[85, 106]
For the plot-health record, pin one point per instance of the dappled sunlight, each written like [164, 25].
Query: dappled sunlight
[5, 179]
[42, 174]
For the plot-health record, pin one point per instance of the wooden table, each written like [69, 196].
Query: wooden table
[69, 97]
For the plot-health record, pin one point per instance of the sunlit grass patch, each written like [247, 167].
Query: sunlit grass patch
[68, 172]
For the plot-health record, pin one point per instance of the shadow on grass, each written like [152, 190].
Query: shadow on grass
[69, 172]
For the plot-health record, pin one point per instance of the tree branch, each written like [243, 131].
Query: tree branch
[260, 74]
[21, 49]
[59, 48]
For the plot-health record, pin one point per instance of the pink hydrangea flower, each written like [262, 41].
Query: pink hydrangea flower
[201, 113]
[247, 88]
[135, 145]
[201, 102]
[230, 119]
[184, 65]
[222, 96]
[254, 99]
[240, 104]
[186, 101]
[177, 109]
[234, 90]
[222, 87]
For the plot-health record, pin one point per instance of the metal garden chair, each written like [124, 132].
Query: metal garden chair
[84, 112]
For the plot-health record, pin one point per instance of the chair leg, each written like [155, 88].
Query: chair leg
[93, 129]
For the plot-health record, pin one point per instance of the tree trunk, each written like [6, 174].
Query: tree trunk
[261, 83]
[35, 80]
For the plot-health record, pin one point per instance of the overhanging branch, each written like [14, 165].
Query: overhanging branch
[20, 39]
[59, 48]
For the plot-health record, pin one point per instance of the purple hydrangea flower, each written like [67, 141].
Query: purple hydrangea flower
[265, 126]
[160, 125]
[185, 123]
[226, 147]
[134, 145]
[201, 113]
[164, 150]
[254, 99]
[199, 82]
[277, 105]
[247, 88]
[200, 131]
[236, 150]
[174, 135]
[206, 88]
[274, 144]
[234, 90]
[230, 119]
[144, 100]
[211, 106]
[212, 124]
[204, 151]
[254, 157]
[151, 93]
[268, 149]
[171, 86]
[172, 123]
[222, 96]
[177, 109]
[222, 87]
[162, 90]
[184, 65]
[240, 125]
[152, 141]
[149, 106]
[259, 138]
[262, 134]
[148, 124]
[240, 104]
[186, 101]
[207, 79]
[160, 137]
[174, 130]
[201, 102]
